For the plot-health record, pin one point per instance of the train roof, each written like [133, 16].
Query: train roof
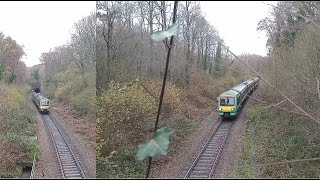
[230, 92]
[39, 96]
[256, 78]
[240, 87]
[249, 81]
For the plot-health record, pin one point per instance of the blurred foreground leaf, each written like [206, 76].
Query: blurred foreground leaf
[156, 146]
[161, 35]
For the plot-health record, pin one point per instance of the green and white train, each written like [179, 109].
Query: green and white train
[42, 103]
[230, 102]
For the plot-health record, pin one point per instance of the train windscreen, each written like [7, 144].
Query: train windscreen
[44, 103]
[226, 101]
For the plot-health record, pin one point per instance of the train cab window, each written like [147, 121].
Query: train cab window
[238, 100]
[227, 101]
[44, 103]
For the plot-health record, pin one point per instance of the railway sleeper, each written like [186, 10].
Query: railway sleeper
[207, 157]
[204, 160]
[68, 159]
[202, 168]
[72, 172]
[210, 154]
[71, 169]
[212, 150]
[198, 176]
[200, 172]
[68, 164]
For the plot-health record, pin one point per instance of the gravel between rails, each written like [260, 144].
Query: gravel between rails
[182, 161]
[86, 153]
[47, 165]
[227, 166]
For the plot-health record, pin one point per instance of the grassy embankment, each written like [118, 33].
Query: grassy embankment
[18, 127]
[275, 136]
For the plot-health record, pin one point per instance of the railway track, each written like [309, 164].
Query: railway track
[69, 163]
[203, 166]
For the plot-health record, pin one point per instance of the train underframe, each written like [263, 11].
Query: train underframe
[228, 115]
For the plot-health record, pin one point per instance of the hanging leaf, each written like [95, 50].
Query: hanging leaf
[132, 82]
[157, 146]
[173, 29]
[161, 35]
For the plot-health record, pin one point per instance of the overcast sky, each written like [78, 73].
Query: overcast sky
[40, 26]
[237, 22]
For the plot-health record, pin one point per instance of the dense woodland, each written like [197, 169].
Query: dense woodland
[293, 43]
[17, 121]
[12, 69]
[67, 73]
[130, 68]
[111, 55]
[125, 46]
[286, 133]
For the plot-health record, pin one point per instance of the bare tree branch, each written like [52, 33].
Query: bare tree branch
[305, 18]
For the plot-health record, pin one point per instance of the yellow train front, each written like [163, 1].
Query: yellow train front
[42, 103]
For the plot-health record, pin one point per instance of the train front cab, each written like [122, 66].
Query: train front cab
[44, 106]
[228, 106]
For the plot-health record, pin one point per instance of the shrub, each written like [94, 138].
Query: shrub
[172, 96]
[17, 124]
[84, 101]
[124, 118]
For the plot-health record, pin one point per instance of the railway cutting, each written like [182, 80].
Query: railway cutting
[69, 162]
[203, 166]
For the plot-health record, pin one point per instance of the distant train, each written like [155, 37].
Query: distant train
[229, 102]
[42, 103]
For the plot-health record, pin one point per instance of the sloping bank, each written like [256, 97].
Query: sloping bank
[275, 136]
[17, 130]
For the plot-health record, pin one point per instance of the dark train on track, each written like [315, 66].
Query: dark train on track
[42, 103]
[230, 102]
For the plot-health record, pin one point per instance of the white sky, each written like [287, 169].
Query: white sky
[40, 26]
[237, 22]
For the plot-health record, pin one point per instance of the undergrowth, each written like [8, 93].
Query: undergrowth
[78, 92]
[17, 127]
[126, 114]
[276, 136]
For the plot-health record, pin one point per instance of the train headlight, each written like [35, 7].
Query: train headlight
[232, 109]
[220, 109]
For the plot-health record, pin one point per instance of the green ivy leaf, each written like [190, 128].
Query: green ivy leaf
[157, 146]
[131, 83]
[161, 35]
